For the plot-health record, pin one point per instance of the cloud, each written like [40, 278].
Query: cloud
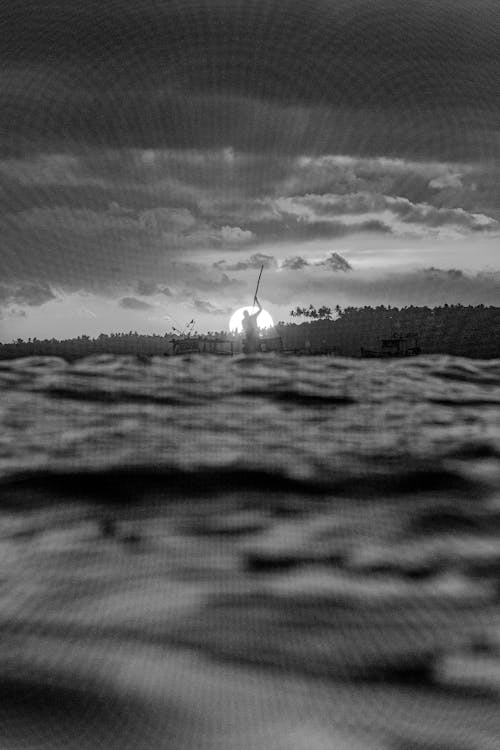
[343, 174]
[12, 312]
[132, 303]
[46, 169]
[335, 262]
[203, 306]
[166, 220]
[198, 276]
[134, 222]
[235, 234]
[178, 227]
[397, 215]
[294, 263]
[110, 231]
[435, 287]
[255, 261]
[420, 287]
[111, 87]
[150, 288]
[86, 312]
[30, 294]
[196, 180]
[116, 209]
[447, 181]
[84, 248]
[192, 184]
[82, 221]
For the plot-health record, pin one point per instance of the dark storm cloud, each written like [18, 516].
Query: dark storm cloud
[358, 76]
[132, 303]
[134, 132]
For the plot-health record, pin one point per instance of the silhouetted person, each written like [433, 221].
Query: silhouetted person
[249, 325]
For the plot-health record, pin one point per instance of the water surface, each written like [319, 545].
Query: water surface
[254, 552]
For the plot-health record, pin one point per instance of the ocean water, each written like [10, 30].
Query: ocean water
[250, 552]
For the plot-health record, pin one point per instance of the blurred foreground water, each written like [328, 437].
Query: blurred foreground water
[269, 553]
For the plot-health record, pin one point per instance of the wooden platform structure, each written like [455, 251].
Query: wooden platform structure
[203, 345]
[221, 346]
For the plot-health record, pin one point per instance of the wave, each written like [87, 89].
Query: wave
[133, 484]
[111, 425]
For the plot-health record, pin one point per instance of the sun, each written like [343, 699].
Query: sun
[263, 321]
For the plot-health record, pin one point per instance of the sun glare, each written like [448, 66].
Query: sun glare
[263, 321]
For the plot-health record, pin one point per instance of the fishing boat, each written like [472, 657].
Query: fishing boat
[398, 345]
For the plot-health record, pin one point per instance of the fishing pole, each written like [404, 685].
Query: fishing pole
[257, 287]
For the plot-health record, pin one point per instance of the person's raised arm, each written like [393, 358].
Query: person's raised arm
[256, 301]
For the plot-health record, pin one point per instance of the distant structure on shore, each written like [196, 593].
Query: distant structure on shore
[398, 345]
[451, 329]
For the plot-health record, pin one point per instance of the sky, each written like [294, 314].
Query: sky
[155, 153]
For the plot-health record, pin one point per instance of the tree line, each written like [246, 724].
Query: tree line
[462, 330]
